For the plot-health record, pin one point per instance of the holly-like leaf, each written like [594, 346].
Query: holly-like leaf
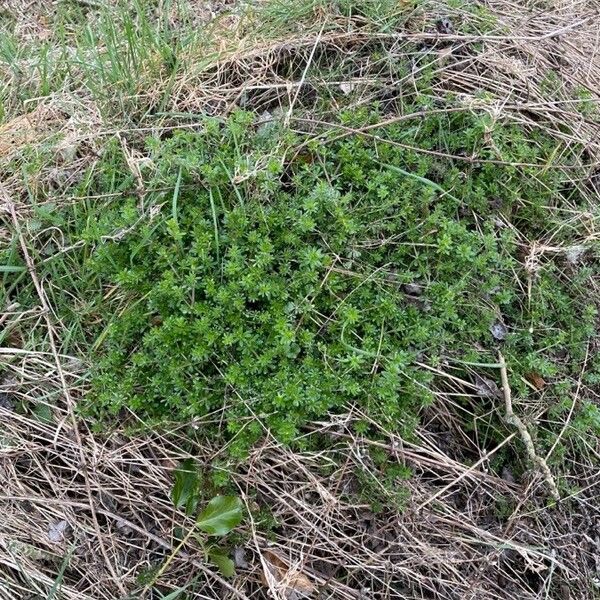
[222, 562]
[221, 515]
[185, 488]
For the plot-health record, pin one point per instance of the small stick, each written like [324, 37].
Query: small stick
[512, 419]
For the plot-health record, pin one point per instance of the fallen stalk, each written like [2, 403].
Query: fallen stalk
[512, 419]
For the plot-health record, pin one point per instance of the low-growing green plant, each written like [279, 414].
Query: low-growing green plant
[279, 281]
[218, 518]
[278, 288]
[260, 273]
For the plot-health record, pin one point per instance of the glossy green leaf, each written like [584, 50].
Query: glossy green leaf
[185, 488]
[223, 563]
[221, 515]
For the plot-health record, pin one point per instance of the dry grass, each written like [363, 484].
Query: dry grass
[448, 543]
[102, 500]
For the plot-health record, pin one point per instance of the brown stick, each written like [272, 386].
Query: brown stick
[512, 419]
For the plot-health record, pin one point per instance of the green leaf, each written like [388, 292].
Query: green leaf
[61, 574]
[11, 269]
[223, 563]
[43, 412]
[185, 488]
[174, 594]
[221, 515]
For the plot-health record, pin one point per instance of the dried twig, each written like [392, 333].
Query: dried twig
[512, 419]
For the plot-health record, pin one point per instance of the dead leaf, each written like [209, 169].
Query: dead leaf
[57, 532]
[239, 558]
[444, 25]
[347, 88]
[264, 117]
[412, 289]
[574, 253]
[499, 331]
[507, 475]
[279, 574]
[6, 402]
[536, 380]
[486, 388]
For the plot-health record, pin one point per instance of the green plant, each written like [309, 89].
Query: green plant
[257, 274]
[279, 279]
[280, 285]
[285, 290]
[218, 518]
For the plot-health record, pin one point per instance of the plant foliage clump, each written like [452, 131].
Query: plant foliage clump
[280, 290]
